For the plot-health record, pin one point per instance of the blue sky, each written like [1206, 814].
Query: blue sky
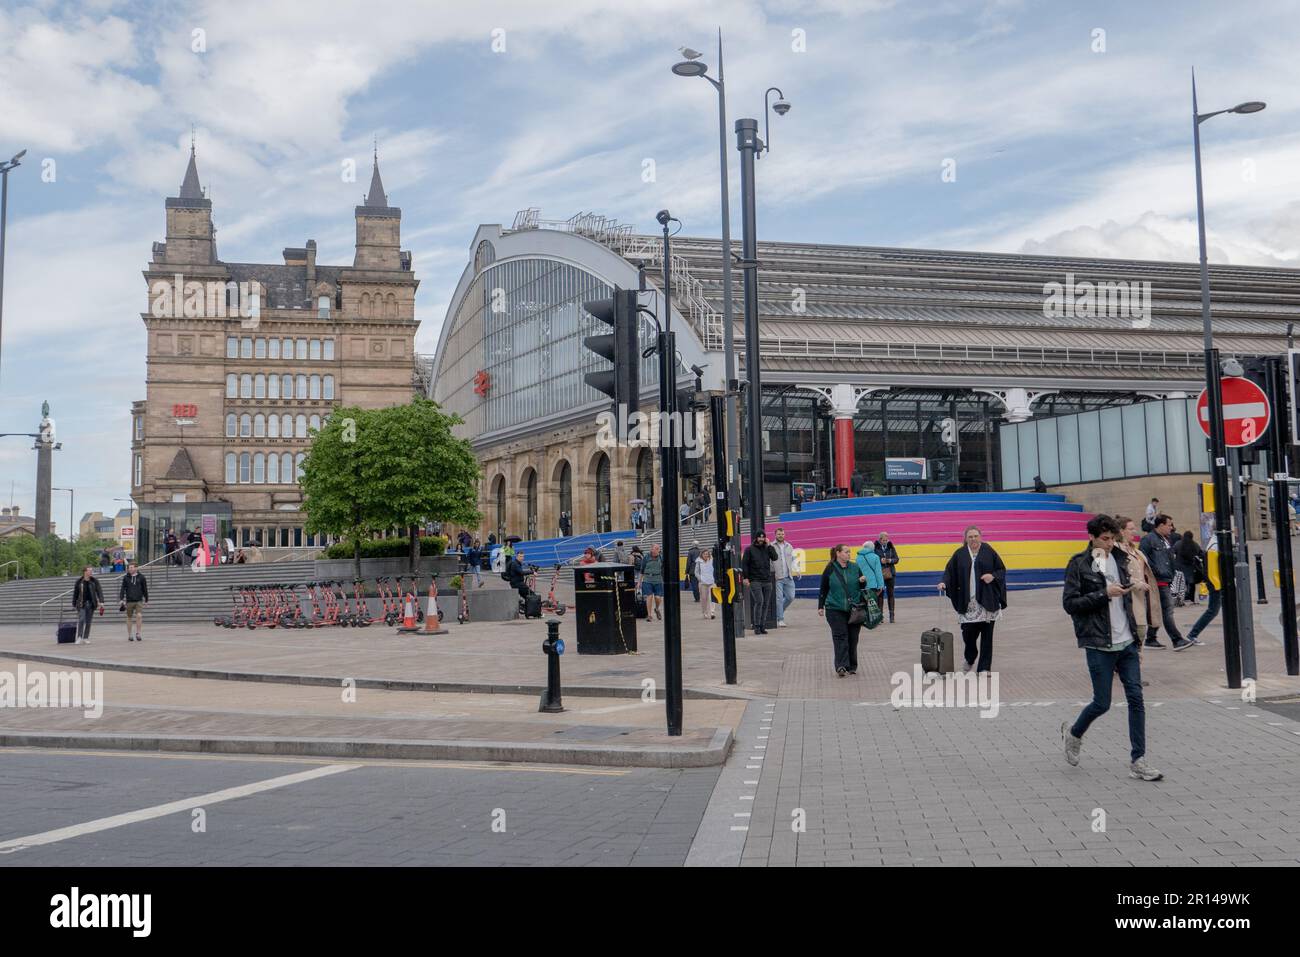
[1065, 140]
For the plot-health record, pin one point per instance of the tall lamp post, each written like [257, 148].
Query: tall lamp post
[750, 147]
[1214, 399]
[693, 66]
[4, 210]
[669, 497]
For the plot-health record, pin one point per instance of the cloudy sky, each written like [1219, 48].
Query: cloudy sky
[1068, 126]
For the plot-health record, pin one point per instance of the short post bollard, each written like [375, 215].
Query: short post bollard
[1259, 581]
[553, 647]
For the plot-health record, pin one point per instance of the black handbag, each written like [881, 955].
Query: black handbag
[858, 610]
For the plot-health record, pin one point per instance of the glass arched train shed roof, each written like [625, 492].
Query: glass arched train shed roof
[510, 358]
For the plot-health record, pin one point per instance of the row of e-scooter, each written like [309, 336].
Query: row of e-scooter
[326, 604]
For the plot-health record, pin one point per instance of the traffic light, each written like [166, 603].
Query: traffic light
[621, 348]
[688, 404]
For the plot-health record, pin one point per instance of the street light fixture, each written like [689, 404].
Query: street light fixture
[692, 66]
[4, 208]
[781, 107]
[1214, 400]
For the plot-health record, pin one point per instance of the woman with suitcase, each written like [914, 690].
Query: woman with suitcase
[842, 588]
[87, 596]
[975, 581]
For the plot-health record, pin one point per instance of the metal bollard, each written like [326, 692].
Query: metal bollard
[1259, 581]
[553, 647]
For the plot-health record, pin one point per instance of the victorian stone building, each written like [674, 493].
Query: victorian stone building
[246, 359]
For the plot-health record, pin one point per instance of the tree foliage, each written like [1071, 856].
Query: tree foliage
[370, 470]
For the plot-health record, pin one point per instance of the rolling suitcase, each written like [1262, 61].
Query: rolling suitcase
[533, 605]
[66, 634]
[937, 651]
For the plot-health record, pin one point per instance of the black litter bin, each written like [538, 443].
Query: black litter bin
[605, 604]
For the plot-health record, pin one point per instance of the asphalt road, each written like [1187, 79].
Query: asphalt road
[120, 809]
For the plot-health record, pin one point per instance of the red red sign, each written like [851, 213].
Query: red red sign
[181, 411]
[1246, 412]
[482, 382]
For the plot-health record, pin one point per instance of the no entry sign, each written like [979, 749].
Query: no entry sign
[1246, 412]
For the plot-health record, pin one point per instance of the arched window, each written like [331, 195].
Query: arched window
[246, 386]
[259, 426]
[286, 349]
[297, 465]
[313, 349]
[273, 385]
[603, 516]
[246, 348]
[232, 425]
[390, 307]
[327, 390]
[243, 467]
[314, 423]
[259, 349]
[329, 348]
[273, 349]
[302, 386]
[259, 468]
[300, 426]
[286, 386]
[314, 393]
[286, 426]
[245, 425]
[302, 348]
[259, 384]
[232, 386]
[273, 469]
[286, 468]
[231, 464]
[272, 426]
[232, 347]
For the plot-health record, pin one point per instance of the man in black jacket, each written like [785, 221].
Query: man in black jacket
[133, 597]
[1098, 600]
[87, 595]
[756, 569]
[518, 574]
[1155, 546]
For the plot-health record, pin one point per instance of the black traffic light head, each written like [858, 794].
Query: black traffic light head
[621, 348]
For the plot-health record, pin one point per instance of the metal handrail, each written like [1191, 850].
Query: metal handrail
[8, 563]
[40, 615]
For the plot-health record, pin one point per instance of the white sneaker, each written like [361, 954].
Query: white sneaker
[80, 641]
[1072, 745]
[781, 623]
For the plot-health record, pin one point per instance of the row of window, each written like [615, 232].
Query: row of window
[286, 386]
[247, 347]
[263, 468]
[272, 426]
[280, 537]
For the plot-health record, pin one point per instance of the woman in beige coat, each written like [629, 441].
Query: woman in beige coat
[1145, 588]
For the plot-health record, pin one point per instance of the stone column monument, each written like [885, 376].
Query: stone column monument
[44, 470]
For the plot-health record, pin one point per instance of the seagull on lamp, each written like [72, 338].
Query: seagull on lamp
[689, 53]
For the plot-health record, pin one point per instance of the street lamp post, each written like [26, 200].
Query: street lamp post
[669, 497]
[1214, 399]
[750, 147]
[4, 210]
[694, 67]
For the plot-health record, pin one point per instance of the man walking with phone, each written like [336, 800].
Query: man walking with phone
[1097, 599]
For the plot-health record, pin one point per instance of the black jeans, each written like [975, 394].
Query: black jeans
[1209, 615]
[845, 638]
[85, 617]
[976, 648]
[1103, 666]
[760, 603]
[1166, 615]
[889, 595]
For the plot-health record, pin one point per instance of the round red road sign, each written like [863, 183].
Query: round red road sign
[1246, 412]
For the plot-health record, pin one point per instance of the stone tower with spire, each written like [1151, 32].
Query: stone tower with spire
[246, 359]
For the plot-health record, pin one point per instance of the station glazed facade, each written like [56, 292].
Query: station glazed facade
[246, 360]
[868, 353]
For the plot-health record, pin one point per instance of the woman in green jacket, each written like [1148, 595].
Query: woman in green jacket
[841, 588]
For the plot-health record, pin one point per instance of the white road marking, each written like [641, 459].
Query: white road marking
[753, 767]
[162, 810]
[747, 797]
[751, 782]
[741, 814]
[740, 827]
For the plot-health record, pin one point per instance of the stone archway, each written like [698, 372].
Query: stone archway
[497, 517]
[599, 479]
[562, 482]
[531, 517]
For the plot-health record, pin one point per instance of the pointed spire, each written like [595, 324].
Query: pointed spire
[190, 188]
[376, 198]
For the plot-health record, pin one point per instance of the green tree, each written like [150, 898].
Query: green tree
[337, 496]
[425, 473]
[378, 469]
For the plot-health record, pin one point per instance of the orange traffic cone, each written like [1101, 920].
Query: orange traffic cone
[408, 613]
[432, 620]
